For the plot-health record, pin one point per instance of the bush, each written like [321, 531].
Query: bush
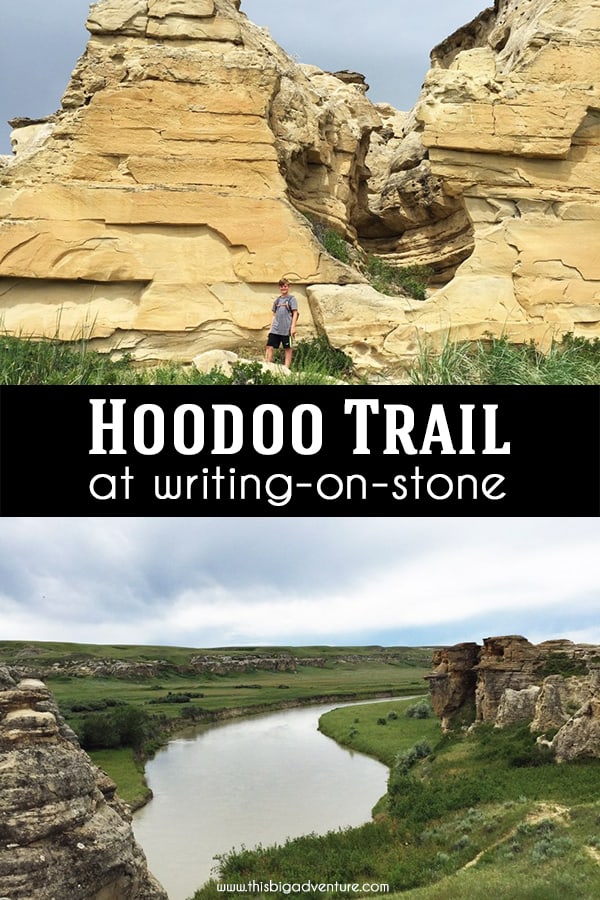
[387, 279]
[332, 241]
[561, 664]
[251, 373]
[514, 745]
[336, 246]
[177, 697]
[123, 726]
[404, 761]
[420, 710]
[319, 355]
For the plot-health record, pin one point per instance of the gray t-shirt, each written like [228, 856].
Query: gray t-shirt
[283, 308]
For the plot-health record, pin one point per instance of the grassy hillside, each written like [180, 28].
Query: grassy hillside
[466, 815]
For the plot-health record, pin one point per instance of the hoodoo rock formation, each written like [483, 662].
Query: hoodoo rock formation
[555, 686]
[64, 833]
[193, 163]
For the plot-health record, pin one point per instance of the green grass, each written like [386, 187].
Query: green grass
[315, 362]
[571, 361]
[127, 771]
[359, 729]
[388, 279]
[37, 362]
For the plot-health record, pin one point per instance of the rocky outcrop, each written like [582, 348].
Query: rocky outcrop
[505, 663]
[579, 737]
[555, 686]
[193, 162]
[452, 683]
[63, 831]
[517, 706]
[559, 699]
[162, 202]
[510, 119]
[29, 661]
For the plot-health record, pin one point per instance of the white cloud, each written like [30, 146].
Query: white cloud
[208, 582]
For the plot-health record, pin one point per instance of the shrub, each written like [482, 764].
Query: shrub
[332, 241]
[387, 279]
[514, 745]
[404, 761]
[319, 355]
[251, 373]
[420, 710]
[336, 246]
[561, 664]
[123, 726]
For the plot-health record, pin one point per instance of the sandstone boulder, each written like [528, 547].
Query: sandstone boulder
[505, 663]
[452, 683]
[580, 736]
[558, 700]
[516, 706]
[224, 360]
[161, 205]
[509, 116]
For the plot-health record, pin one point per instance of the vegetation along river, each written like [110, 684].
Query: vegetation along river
[245, 782]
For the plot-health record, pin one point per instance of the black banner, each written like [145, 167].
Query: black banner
[290, 450]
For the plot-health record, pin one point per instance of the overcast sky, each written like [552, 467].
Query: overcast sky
[207, 582]
[387, 40]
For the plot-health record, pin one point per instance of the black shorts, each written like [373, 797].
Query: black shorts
[277, 340]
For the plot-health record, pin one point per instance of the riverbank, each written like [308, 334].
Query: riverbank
[127, 768]
[125, 702]
[466, 814]
[248, 781]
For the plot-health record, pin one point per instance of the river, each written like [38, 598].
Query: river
[245, 782]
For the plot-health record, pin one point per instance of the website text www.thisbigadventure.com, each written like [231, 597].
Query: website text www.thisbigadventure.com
[303, 887]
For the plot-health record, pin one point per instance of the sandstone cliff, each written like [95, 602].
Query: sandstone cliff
[554, 685]
[511, 122]
[64, 834]
[158, 208]
[154, 212]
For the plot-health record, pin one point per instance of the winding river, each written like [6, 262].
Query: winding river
[244, 782]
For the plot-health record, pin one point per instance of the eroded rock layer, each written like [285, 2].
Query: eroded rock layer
[555, 686]
[154, 210]
[192, 158]
[63, 831]
[510, 117]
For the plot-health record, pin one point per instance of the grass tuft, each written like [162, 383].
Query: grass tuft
[570, 361]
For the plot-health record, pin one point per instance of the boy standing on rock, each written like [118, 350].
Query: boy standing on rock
[283, 323]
